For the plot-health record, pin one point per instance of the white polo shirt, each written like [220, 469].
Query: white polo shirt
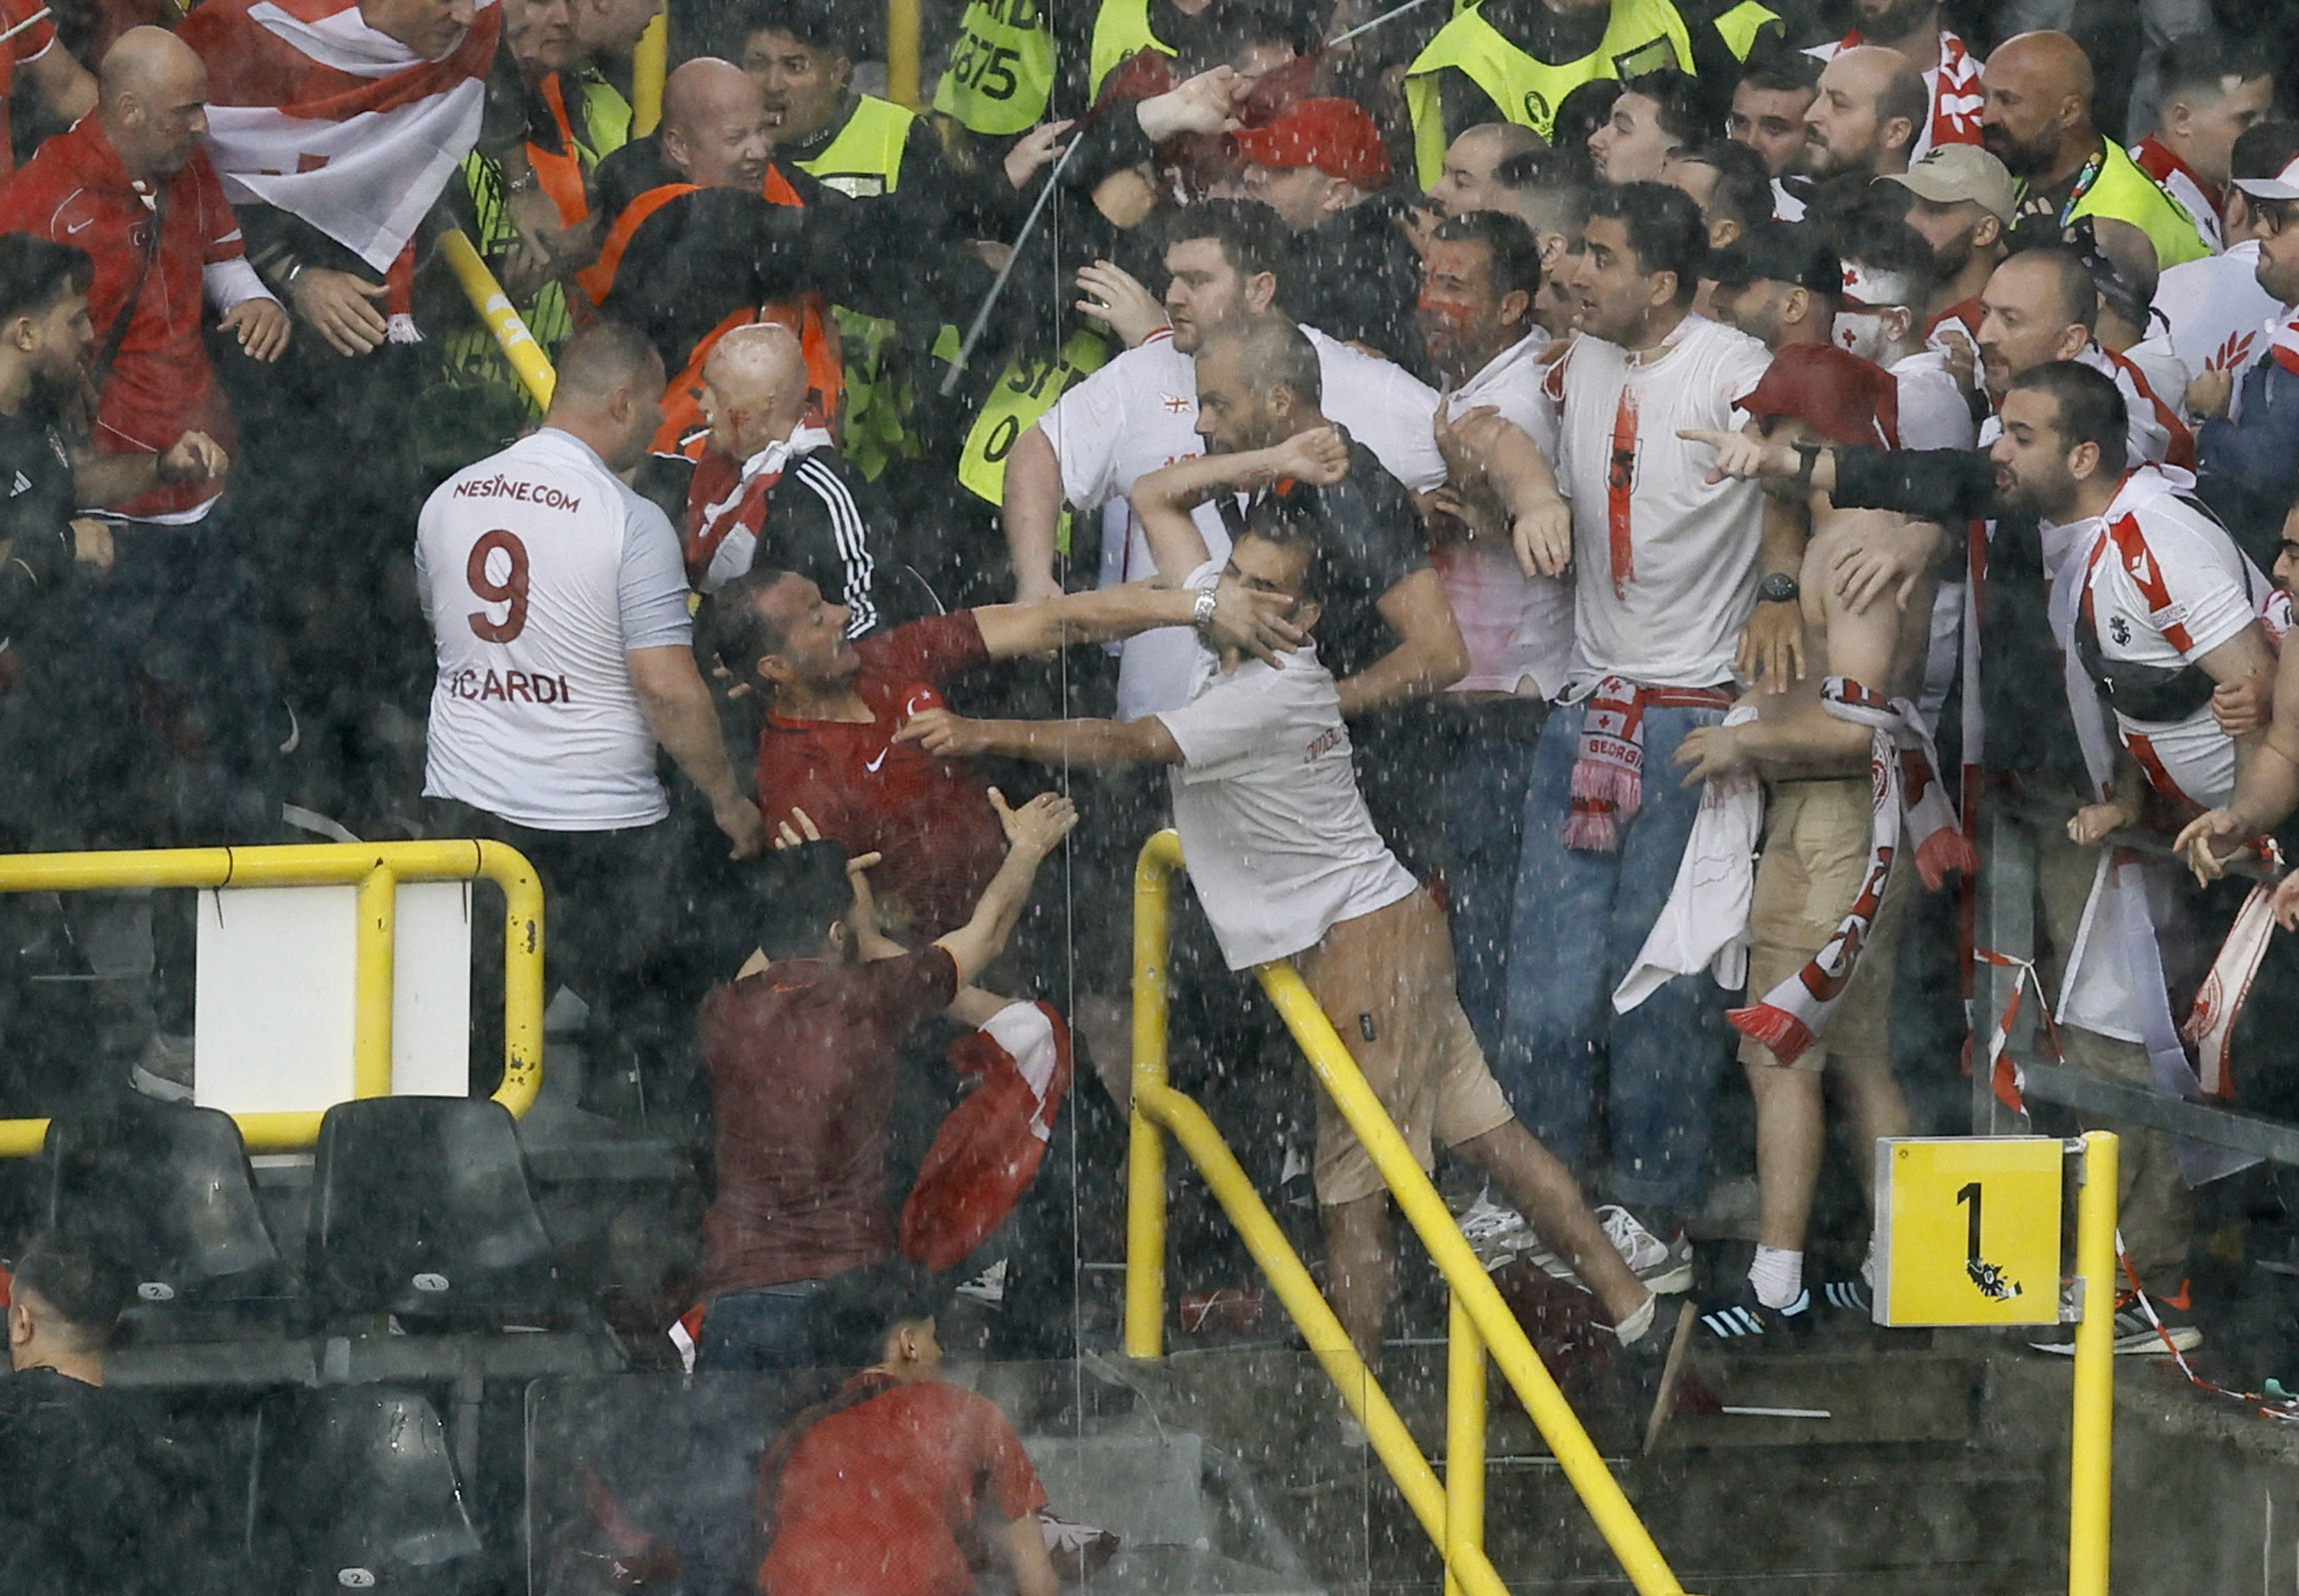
[539, 570]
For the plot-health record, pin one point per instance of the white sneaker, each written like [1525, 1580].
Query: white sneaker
[1664, 1267]
[1498, 1232]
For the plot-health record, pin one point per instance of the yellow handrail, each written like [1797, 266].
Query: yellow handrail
[901, 52]
[376, 869]
[511, 334]
[1477, 1303]
[2091, 1438]
[650, 65]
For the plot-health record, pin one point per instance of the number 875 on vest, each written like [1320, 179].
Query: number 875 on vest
[1969, 1230]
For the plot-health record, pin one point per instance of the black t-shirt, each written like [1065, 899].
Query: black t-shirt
[1359, 282]
[1369, 541]
[94, 1502]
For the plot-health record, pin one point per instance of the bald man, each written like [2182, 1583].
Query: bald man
[1469, 179]
[180, 602]
[770, 489]
[2037, 121]
[706, 228]
[1868, 115]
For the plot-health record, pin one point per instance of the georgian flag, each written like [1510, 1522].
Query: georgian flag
[313, 111]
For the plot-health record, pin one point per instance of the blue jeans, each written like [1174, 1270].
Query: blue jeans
[762, 1328]
[1578, 922]
[1483, 838]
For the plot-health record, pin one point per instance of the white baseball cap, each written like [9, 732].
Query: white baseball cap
[2284, 185]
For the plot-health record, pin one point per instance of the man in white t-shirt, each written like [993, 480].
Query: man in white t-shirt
[1479, 275]
[558, 609]
[1140, 412]
[2216, 315]
[2150, 596]
[1286, 863]
[1666, 568]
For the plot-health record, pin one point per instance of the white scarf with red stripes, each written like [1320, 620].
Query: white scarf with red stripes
[1903, 778]
[313, 111]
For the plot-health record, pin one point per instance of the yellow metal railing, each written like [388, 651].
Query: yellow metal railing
[1452, 1512]
[376, 869]
[650, 65]
[902, 54]
[512, 335]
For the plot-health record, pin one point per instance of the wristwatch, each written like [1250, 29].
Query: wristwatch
[1778, 588]
[1202, 612]
[1808, 455]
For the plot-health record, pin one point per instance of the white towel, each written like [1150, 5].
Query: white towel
[1705, 922]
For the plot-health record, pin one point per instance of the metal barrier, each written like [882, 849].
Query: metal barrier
[376, 869]
[902, 54]
[1450, 1511]
[2007, 924]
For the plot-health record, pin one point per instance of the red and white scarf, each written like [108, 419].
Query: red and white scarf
[989, 1150]
[717, 511]
[1609, 771]
[1903, 779]
[2283, 347]
[314, 111]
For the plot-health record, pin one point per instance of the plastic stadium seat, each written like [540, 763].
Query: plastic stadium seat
[166, 1187]
[356, 1491]
[420, 1208]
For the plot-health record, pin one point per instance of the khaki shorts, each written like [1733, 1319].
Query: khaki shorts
[1390, 973]
[1816, 837]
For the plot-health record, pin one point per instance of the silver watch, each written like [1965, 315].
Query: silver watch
[1202, 612]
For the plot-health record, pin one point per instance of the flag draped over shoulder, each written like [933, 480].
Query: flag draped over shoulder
[314, 111]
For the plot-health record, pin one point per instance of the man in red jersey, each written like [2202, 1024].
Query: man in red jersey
[834, 707]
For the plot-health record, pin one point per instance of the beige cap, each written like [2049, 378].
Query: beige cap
[1952, 172]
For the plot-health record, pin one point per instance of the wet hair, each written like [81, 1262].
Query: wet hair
[1744, 181]
[1664, 228]
[2196, 65]
[737, 631]
[86, 1285]
[795, 896]
[1273, 349]
[1284, 522]
[849, 1318]
[35, 274]
[1514, 251]
[2091, 408]
[818, 24]
[1685, 115]
[1253, 237]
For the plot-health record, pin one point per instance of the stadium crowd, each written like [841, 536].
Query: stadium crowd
[1595, 506]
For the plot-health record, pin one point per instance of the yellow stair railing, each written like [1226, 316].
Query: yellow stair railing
[1452, 1511]
[376, 869]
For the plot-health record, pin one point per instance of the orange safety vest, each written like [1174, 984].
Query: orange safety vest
[560, 171]
[809, 316]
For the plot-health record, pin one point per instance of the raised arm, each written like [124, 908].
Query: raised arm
[1032, 833]
[1239, 617]
[1165, 499]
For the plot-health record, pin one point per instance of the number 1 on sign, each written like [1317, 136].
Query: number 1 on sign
[1990, 1279]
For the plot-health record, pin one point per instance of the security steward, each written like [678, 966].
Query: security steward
[1517, 60]
[711, 232]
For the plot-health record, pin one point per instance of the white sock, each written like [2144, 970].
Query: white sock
[1777, 1275]
[1631, 1329]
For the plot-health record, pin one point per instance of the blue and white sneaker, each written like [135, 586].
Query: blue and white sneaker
[1849, 1296]
[1745, 1321]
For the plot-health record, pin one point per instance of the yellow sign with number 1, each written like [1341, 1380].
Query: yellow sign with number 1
[1969, 1230]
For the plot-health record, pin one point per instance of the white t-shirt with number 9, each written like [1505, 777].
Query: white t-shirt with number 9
[539, 570]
